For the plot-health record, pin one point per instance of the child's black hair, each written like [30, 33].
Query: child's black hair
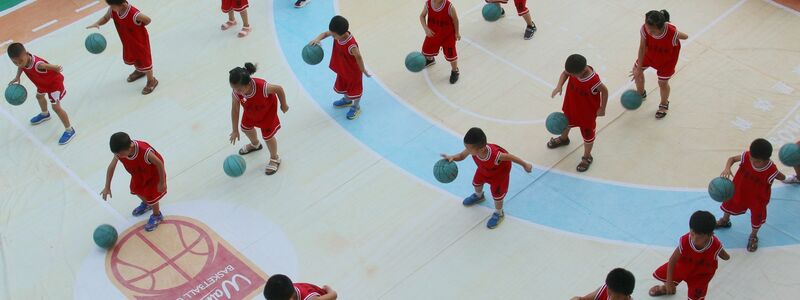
[575, 64]
[278, 287]
[15, 50]
[621, 281]
[475, 136]
[702, 222]
[119, 141]
[115, 2]
[241, 76]
[657, 18]
[339, 25]
[761, 149]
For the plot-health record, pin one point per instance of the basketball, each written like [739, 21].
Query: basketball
[234, 165]
[556, 123]
[105, 236]
[631, 99]
[790, 155]
[16, 94]
[313, 54]
[445, 171]
[415, 62]
[720, 189]
[492, 12]
[95, 43]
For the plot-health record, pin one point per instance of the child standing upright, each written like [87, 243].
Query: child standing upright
[494, 168]
[48, 81]
[585, 100]
[260, 102]
[619, 286]
[130, 24]
[348, 65]
[231, 6]
[280, 287]
[148, 175]
[753, 187]
[523, 11]
[441, 31]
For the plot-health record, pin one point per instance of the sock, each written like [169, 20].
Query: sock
[70, 129]
[480, 195]
[499, 211]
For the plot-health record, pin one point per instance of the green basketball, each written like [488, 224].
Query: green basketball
[234, 165]
[415, 62]
[631, 99]
[492, 12]
[105, 236]
[790, 155]
[720, 189]
[445, 171]
[16, 94]
[313, 54]
[556, 122]
[95, 43]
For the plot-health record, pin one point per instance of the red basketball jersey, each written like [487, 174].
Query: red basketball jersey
[259, 106]
[582, 99]
[141, 169]
[342, 62]
[45, 81]
[602, 294]
[307, 290]
[492, 165]
[752, 184]
[663, 50]
[439, 19]
[132, 34]
[698, 262]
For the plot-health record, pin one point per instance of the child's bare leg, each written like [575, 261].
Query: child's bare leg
[528, 20]
[587, 149]
[42, 103]
[245, 19]
[479, 191]
[725, 219]
[565, 134]
[454, 65]
[62, 115]
[639, 83]
[150, 77]
[498, 206]
[251, 135]
[664, 88]
[272, 146]
[156, 209]
[231, 16]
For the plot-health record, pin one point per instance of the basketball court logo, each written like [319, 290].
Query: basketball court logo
[182, 260]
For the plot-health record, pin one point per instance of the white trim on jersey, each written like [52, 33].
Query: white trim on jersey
[266, 93]
[36, 67]
[135, 151]
[350, 48]
[444, 3]
[706, 247]
[147, 156]
[346, 40]
[772, 177]
[135, 21]
[595, 88]
[600, 291]
[125, 14]
[252, 82]
[489, 155]
[716, 255]
[588, 77]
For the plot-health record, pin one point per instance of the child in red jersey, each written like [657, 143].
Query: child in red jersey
[347, 63]
[130, 25]
[619, 286]
[259, 100]
[523, 11]
[231, 6]
[280, 287]
[659, 48]
[794, 178]
[693, 261]
[585, 100]
[441, 31]
[753, 187]
[494, 168]
[148, 176]
[48, 81]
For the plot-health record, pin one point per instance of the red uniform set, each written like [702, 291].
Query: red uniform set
[444, 31]
[662, 51]
[602, 294]
[753, 190]
[307, 290]
[695, 266]
[519, 4]
[493, 171]
[581, 102]
[134, 37]
[46, 82]
[343, 63]
[235, 5]
[144, 175]
[260, 109]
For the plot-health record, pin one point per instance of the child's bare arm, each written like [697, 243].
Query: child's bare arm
[103, 20]
[428, 31]
[109, 174]
[589, 296]
[637, 72]
[360, 61]
[143, 19]
[780, 176]
[559, 86]
[724, 254]
[331, 294]
[320, 37]
[513, 158]
[162, 173]
[17, 78]
[454, 16]
[457, 157]
[49, 67]
[673, 261]
[278, 90]
[604, 100]
[682, 36]
[234, 120]
[731, 160]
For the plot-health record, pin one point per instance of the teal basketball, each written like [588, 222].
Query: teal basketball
[415, 62]
[234, 165]
[445, 171]
[95, 43]
[492, 12]
[105, 236]
[790, 155]
[16, 94]
[631, 99]
[313, 54]
[556, 122]
[721, 189]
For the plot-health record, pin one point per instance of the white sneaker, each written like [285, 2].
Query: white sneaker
[792, 180]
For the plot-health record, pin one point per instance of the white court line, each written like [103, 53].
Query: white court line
[6, 43]
[511, 64]
[791, 112]
[82, 8]
[783, 7]
[473, 9]
[45, 25]
[16, 7]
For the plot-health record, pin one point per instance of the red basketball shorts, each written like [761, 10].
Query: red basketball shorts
[519, 4]
[349, 86]
[235, 5]
[498, 183]
[447, 42]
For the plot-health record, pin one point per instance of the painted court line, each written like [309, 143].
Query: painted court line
[16, 7]
[6, 43]
[82, 8]
[783, 7]
[43, 26]
[511, 64]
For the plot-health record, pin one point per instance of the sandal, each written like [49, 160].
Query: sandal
[250, 148]
[272, 167]
[585, 163]
[244, 32]
[136, 75]
[557, 142]
[227, 25]
[148, 88]
[662, 110]
[724, 225]
[752, 243]
[658, 290]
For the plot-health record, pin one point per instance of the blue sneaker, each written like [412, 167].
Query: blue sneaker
[495, 220]
[354, 113]
[473, 199]
[38, 119]
[342, 103]
[141, 209]
[66, 136]
[153, 222]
